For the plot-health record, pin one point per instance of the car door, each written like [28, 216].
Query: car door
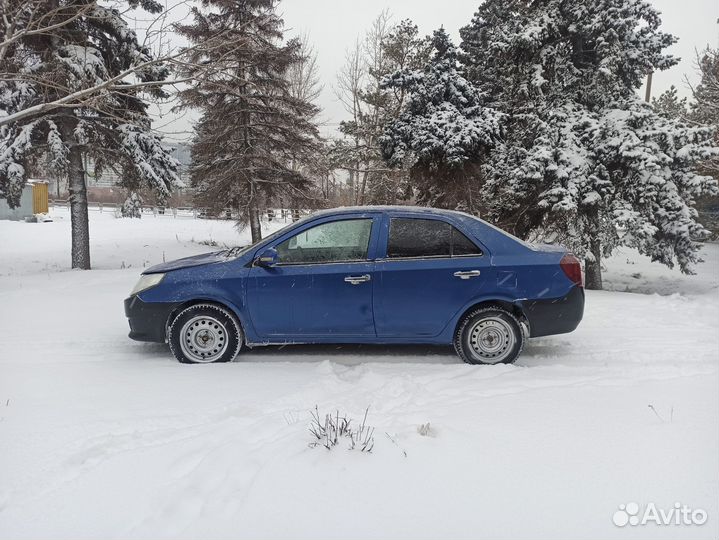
[322, 283]
[429, 270]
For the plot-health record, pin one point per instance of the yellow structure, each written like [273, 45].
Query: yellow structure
[39, 198]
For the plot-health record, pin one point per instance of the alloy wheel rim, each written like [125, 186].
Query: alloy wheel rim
[491, 340]
[204, 339]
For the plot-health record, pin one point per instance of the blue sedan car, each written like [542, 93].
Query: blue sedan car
[363, 275]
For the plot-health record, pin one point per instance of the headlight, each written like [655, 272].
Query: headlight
[147, 281]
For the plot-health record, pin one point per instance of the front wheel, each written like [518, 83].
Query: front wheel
[203, 334]
[489, 335]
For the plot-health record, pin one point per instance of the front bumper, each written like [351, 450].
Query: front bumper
[555, 315]
[148, 320]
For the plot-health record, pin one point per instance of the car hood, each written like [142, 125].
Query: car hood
[188, 262]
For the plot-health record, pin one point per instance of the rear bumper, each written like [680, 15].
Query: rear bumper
[555, 315]
[148, 320]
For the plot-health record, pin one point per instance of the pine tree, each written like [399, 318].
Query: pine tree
[88, 45]
[704, 110]
[705, 107]
[669, 105]
[132, 207]
[444, 129]
[566, 77]
[252, 126]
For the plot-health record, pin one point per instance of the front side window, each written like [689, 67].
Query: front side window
[409, 237]
[336, 241]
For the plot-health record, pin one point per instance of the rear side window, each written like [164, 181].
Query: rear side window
[409, 237]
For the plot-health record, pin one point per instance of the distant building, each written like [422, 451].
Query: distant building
[34, 200]
[181, 152]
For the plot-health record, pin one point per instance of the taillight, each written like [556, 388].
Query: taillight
[573, 268]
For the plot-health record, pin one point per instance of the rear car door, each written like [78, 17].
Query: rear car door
[429, 270]
[322, 283]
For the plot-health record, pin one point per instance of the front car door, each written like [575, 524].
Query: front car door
[428, 270]
[322, 283]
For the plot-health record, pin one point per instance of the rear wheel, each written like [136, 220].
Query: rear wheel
[489, 335]
[203, 334]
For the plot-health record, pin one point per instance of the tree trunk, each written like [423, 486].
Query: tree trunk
[351, 188]
[78, 210]
[593, 266]
[255, 228]
[363, 187]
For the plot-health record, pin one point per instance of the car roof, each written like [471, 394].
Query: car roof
[387, 208]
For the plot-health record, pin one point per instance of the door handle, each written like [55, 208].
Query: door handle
[467, 274]
[356, 280]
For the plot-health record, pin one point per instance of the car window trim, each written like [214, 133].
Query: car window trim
[431, 258]
[346, 261]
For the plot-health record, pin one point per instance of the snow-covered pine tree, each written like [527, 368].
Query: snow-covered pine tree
[252, 126]
[444, 129]
[704, 110]
[566, 76]
[132, 207]
[669, 105]
[705, 107]
[635, 183]
[61, 47]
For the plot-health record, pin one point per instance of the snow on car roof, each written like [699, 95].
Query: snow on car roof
[389, 208]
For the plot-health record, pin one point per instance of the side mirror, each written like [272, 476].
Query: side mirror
[267, 258]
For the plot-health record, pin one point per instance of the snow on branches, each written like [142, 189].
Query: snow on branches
[74, 75]
[581, 158]
[443, 125]
[63, 50]
[148, 161]
[17, 146]
[625, 175]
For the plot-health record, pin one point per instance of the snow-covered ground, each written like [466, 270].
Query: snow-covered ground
[103, 437]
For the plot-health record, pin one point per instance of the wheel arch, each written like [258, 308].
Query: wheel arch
[512, 306]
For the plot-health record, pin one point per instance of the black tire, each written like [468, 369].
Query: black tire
[223, 335]
[505, 326]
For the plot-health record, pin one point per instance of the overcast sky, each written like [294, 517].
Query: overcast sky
[333, 26]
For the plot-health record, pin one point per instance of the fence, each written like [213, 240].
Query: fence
[271, 214]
